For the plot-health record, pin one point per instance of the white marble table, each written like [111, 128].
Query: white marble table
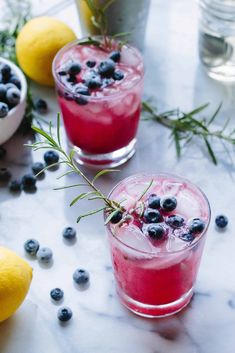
[100, 324]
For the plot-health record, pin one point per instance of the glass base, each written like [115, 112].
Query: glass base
[221, 74]
[154, 311]
[106, 160]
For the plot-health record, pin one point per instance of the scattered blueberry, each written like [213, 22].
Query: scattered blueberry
[152, 216]
[81, 100]
[106, 68]
[14, 79]
[196, 226]
[175, 221]
[118, 75]
[3, 110]
[29, 182]
[81, 276]
[44, 255]
[41, 106]
[51, 157]
[187, 237]
[116, 217]
[5, 71]
[13, 96]
[115, 56]
[91, 63]
[15, 186]
[64, 314]
[82, 89]
[221, 221]
[37, 167]
[3, 91]
[154, 201]
[5, 175]
[69, 233]
[3, 152]
[56, 294]
[156, 231]
[168, 203]
[31, 246]
[74, 69]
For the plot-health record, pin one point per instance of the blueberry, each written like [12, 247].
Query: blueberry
[51, 157]
[107, 82]
[115, 56]
[72, 79]
[68, 96]
[118, 75]
[82, 89]
[81, 100]
[175, 221]
[6, 71]
[187, 237]
[56, 294]
[41, 106]
[92, 79]
[13, 96]
[81, 276]
[106, 68]
[221, 221]
[31, 246]
[37, 167]
[152, 216]
[3, 110]
[3, 152]
[29, 182]
[15, 186]
[64, 314]
[62, 73]
[156, 231]
[5, 175]
[10, 85]
[91, 63]
[196, 226]
[74, 69]
[44, 255]
[116, 217]
[69, 233]
[14, 79]
[168, 203]
[3, 91]
[154, 201]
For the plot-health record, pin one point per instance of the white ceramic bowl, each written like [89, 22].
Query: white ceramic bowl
[11, 122]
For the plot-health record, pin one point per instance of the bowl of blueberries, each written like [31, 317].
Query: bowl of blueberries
[13, 91]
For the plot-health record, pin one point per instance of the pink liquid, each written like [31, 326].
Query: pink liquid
[109, 121]
[156, 277]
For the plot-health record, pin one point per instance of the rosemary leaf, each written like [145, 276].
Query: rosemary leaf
[210, 151]
[90, 213]
[102, 172]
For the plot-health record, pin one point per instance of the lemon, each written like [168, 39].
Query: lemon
[37, 44]
[15, 279]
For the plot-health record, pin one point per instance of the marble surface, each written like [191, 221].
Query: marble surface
[174, 77]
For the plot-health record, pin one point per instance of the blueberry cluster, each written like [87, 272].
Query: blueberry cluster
[43, 254]
[29, 180]
[96, 76]
[10, 87]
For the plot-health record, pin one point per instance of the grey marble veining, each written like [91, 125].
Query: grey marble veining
[174, 77]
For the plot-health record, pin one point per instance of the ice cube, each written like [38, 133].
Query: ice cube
[133, 237]
[135, 190]
[95, 108]
[130, 58]
[171, 188]
[119, 109]
[126, 200]
[188, 204]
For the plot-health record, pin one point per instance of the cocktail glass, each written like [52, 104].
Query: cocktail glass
[157, 278]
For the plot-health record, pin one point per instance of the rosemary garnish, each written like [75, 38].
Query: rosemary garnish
[184, 126]
[94, 193]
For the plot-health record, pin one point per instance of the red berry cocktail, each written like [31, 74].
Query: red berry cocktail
[157, 242]
[99, 93]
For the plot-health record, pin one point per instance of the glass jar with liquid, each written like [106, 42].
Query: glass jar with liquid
[217, 38]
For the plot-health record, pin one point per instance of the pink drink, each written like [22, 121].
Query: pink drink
[155, 277]
[103, 124]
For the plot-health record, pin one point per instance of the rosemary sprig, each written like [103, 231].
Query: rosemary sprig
[184, 126]
[94, 193]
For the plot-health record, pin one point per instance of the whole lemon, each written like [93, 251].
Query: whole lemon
[15, 279]
[37, 44]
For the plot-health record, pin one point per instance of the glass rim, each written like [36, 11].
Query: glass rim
[162, 253]
[215, 5]
[92, 98]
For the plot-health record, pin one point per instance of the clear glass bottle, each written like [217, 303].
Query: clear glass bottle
[217, 38]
